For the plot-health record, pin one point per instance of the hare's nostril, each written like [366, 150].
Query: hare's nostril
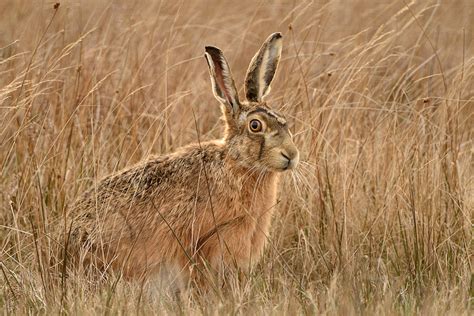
[285, 156]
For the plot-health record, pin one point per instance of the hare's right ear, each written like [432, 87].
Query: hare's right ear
[222, 82]
[262, 68]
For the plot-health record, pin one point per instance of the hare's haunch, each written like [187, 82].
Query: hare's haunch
[209, 203]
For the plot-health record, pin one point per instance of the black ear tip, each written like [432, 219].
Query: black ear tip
[275, 36]
[212, 50]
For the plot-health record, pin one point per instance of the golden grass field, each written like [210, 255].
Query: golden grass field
[377, 219]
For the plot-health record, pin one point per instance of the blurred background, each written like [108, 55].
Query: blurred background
[379, 95]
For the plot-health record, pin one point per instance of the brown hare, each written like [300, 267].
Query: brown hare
[206, 205]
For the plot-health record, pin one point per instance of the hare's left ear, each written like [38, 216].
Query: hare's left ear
[262, 68]
[222, 82]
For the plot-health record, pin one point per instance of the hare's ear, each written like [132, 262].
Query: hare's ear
[262, 68]
[222, 82]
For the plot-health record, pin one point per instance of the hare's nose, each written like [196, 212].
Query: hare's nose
[289, 154]
[291, 158]
[287, 162]
[285, 155]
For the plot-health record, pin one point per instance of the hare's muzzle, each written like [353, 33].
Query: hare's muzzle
[290, 158]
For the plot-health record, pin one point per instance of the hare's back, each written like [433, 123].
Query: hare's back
[167, 179]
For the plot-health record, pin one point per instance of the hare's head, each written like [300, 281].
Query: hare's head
[257, 136]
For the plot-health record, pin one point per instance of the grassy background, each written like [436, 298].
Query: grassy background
[380, 95]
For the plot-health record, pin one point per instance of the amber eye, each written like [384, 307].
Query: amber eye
[255, 126]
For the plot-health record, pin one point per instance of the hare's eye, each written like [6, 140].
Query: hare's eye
[255, 126]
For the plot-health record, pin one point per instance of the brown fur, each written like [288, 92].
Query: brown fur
[206, 203]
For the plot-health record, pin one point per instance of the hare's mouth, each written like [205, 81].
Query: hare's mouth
[285, 166]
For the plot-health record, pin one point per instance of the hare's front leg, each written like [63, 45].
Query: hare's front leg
[229, 245]
[260, 235]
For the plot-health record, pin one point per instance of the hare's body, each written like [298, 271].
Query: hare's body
[197, 203]
[206, 203]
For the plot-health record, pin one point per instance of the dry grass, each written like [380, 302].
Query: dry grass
[378, 218]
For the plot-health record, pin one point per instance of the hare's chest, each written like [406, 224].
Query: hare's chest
[255, 200]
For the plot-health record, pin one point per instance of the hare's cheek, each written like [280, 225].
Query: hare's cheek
[255, 148]
[273, 159]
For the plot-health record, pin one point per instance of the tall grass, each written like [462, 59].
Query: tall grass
[380, 97]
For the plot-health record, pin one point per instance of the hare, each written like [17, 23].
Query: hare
[208, 204]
